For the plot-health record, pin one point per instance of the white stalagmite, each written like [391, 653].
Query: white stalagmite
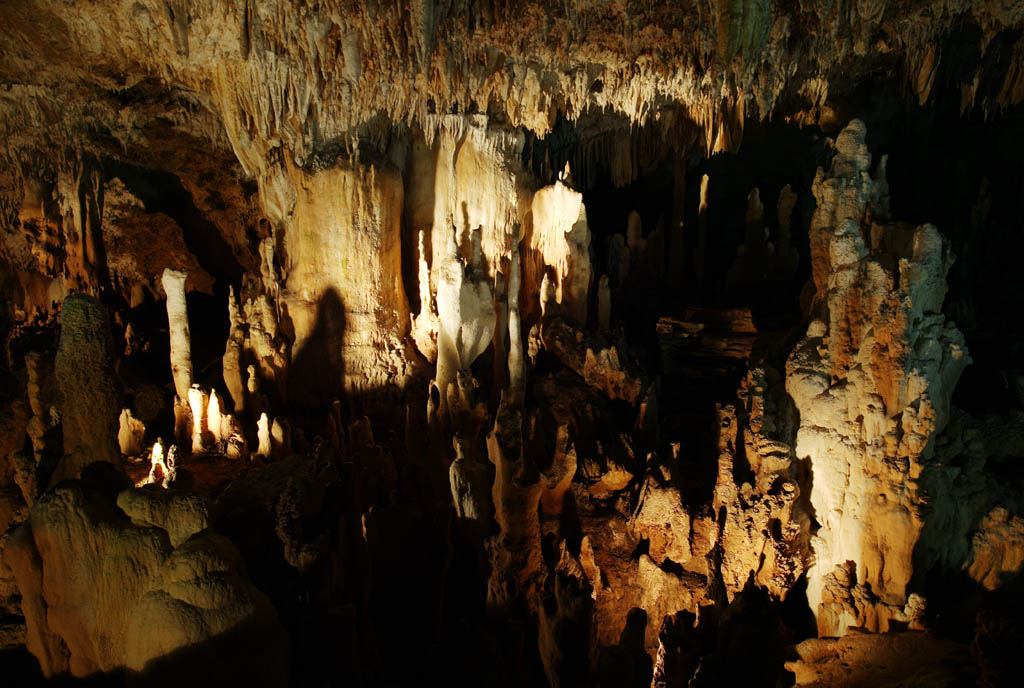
[197, 402]
[263, 435]
[177, 325]
[547, 295]
[157, 459]
[214, 417]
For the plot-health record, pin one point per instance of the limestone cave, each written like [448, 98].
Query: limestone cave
[614, 343]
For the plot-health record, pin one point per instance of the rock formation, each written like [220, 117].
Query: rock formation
[872, 382]
[89, 611]
[512, 343]
[89, 403]
[173, 282]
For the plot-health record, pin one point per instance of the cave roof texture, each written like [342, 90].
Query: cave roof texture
[277, 78]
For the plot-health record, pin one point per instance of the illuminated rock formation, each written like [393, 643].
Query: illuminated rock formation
[177, 323]
[558, 362]
[465, 307]
[149, 582]
[560, 238]
[349, 324]
[263, 450]
[254, 338]
[594, 359]
[130, 434]
[872, 382]
[997, 554]
[198, 401]
[765, 529]
[907, 658]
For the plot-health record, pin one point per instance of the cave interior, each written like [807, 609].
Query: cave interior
[590, 343]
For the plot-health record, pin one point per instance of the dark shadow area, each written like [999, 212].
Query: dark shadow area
[317, 370]
[162, 192]
[962, 172]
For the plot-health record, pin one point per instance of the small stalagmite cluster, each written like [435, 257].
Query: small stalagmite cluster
[511, 343]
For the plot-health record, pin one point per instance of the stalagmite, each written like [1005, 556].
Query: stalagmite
[264, 449]
[177, 322]
[232, 361]
[558, 477]
[89, 399]
[233, 438]
[130, 434]
[872, 381]
[182, 422]
[470, 482]
[425, 324]
[280, 439]
[215, 418]
[156, 460]
[765, 529]
[547, 295]
[594, 359]
[515, 552]
[198, 403]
